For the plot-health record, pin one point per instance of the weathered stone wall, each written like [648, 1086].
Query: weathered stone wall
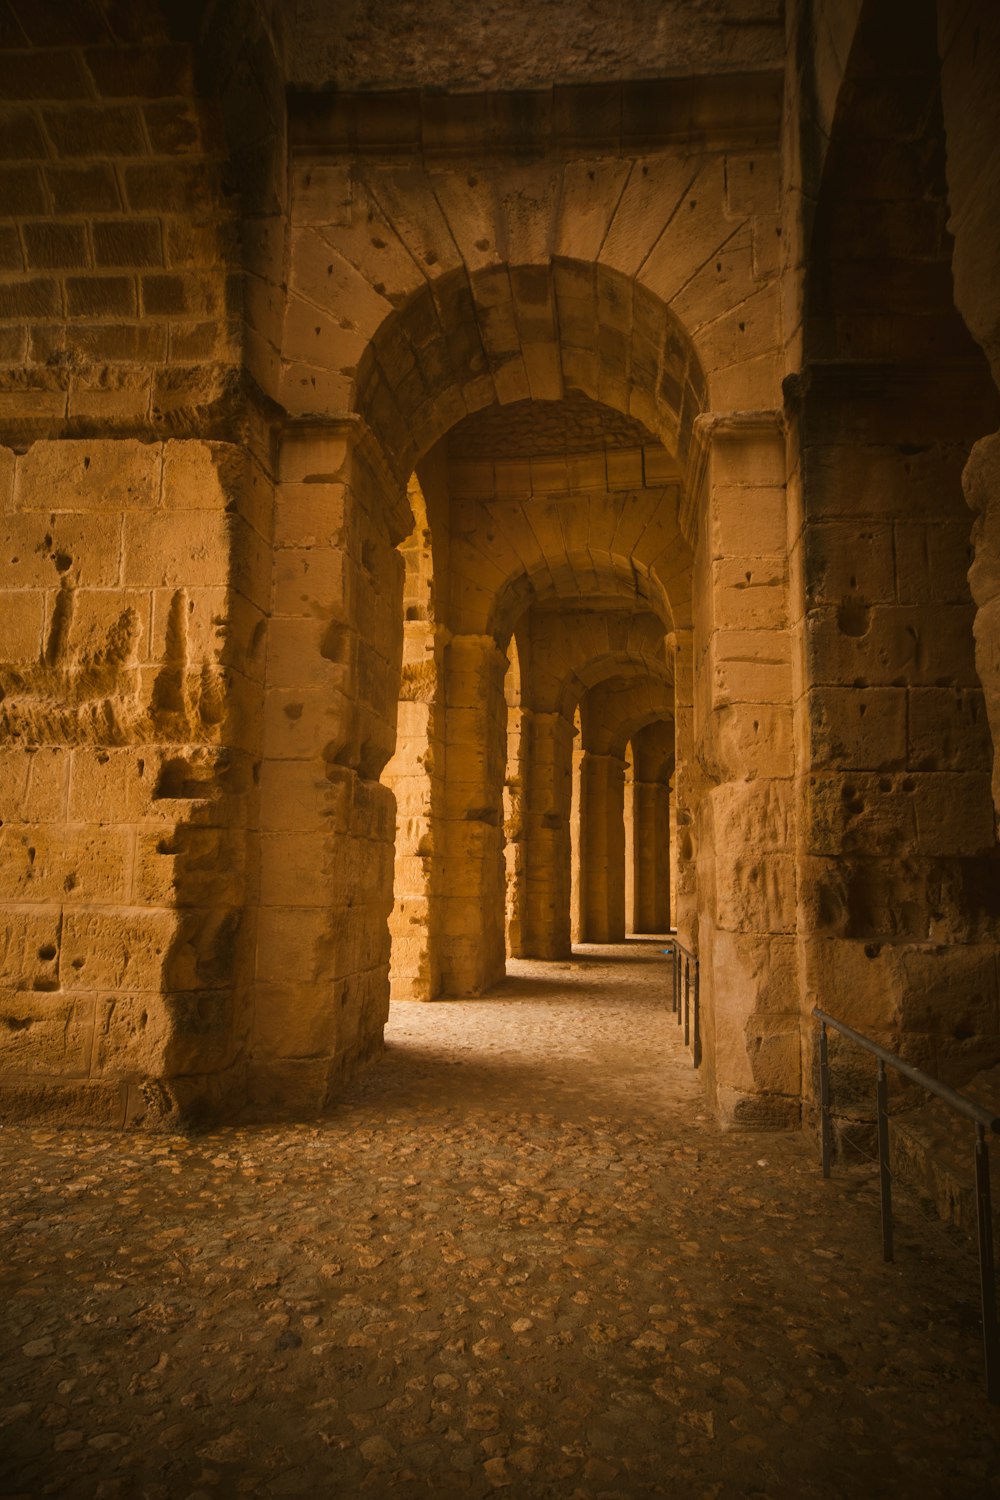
[134, 591]
[969, 45]
[510, 44]
[898, 857]
[120, 291]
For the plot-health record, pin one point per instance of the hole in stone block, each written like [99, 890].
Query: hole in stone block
[853, 617]
[488, 815]
[336, 643]
[179, 777]
[47, 952]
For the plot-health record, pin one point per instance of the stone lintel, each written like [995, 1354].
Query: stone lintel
[622, 119]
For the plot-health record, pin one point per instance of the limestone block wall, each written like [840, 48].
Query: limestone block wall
[134, 594]
[969, 46]
[898, 855]
[899, 873]
[120, 293]
[525, 48]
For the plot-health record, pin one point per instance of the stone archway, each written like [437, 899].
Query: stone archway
[417, 297]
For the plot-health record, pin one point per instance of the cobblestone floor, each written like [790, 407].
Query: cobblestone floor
[520, 1256]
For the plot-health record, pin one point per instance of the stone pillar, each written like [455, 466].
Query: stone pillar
[414, 775]
[602, 848]
[547, 886]
[745, 809]
[672, 854]
[327, 823]
[631, 873]
[515, 845]
[472, 884]
[651, 840]
[575, 853]
[684, 800]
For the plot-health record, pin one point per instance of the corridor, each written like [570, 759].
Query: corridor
[519, 1256]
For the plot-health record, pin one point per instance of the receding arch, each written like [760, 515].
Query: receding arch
[453, 347]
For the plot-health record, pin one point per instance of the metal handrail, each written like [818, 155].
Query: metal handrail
[983, 1119]
[687, 996]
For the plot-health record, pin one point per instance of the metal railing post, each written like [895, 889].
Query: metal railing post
[987, 1273]
[696, 1058]
[825, 1138]
[687, 1002]
[885, 1176]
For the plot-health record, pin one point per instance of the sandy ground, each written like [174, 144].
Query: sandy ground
[519, 1256]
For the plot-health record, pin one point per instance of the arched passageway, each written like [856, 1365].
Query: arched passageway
[663, 384]
[554, 412]
[456, 505]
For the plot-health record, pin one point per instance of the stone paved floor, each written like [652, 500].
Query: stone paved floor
[519, 1257]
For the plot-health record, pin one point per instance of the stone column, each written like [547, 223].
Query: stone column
[472, 885]
[515, 838]
[602, 848]
[672, 854]
[631, 873]
[547, 814]
[684, 800]
[651, 843]
[327, 824]
[575, 853]
[414, 775]
[745, 829]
